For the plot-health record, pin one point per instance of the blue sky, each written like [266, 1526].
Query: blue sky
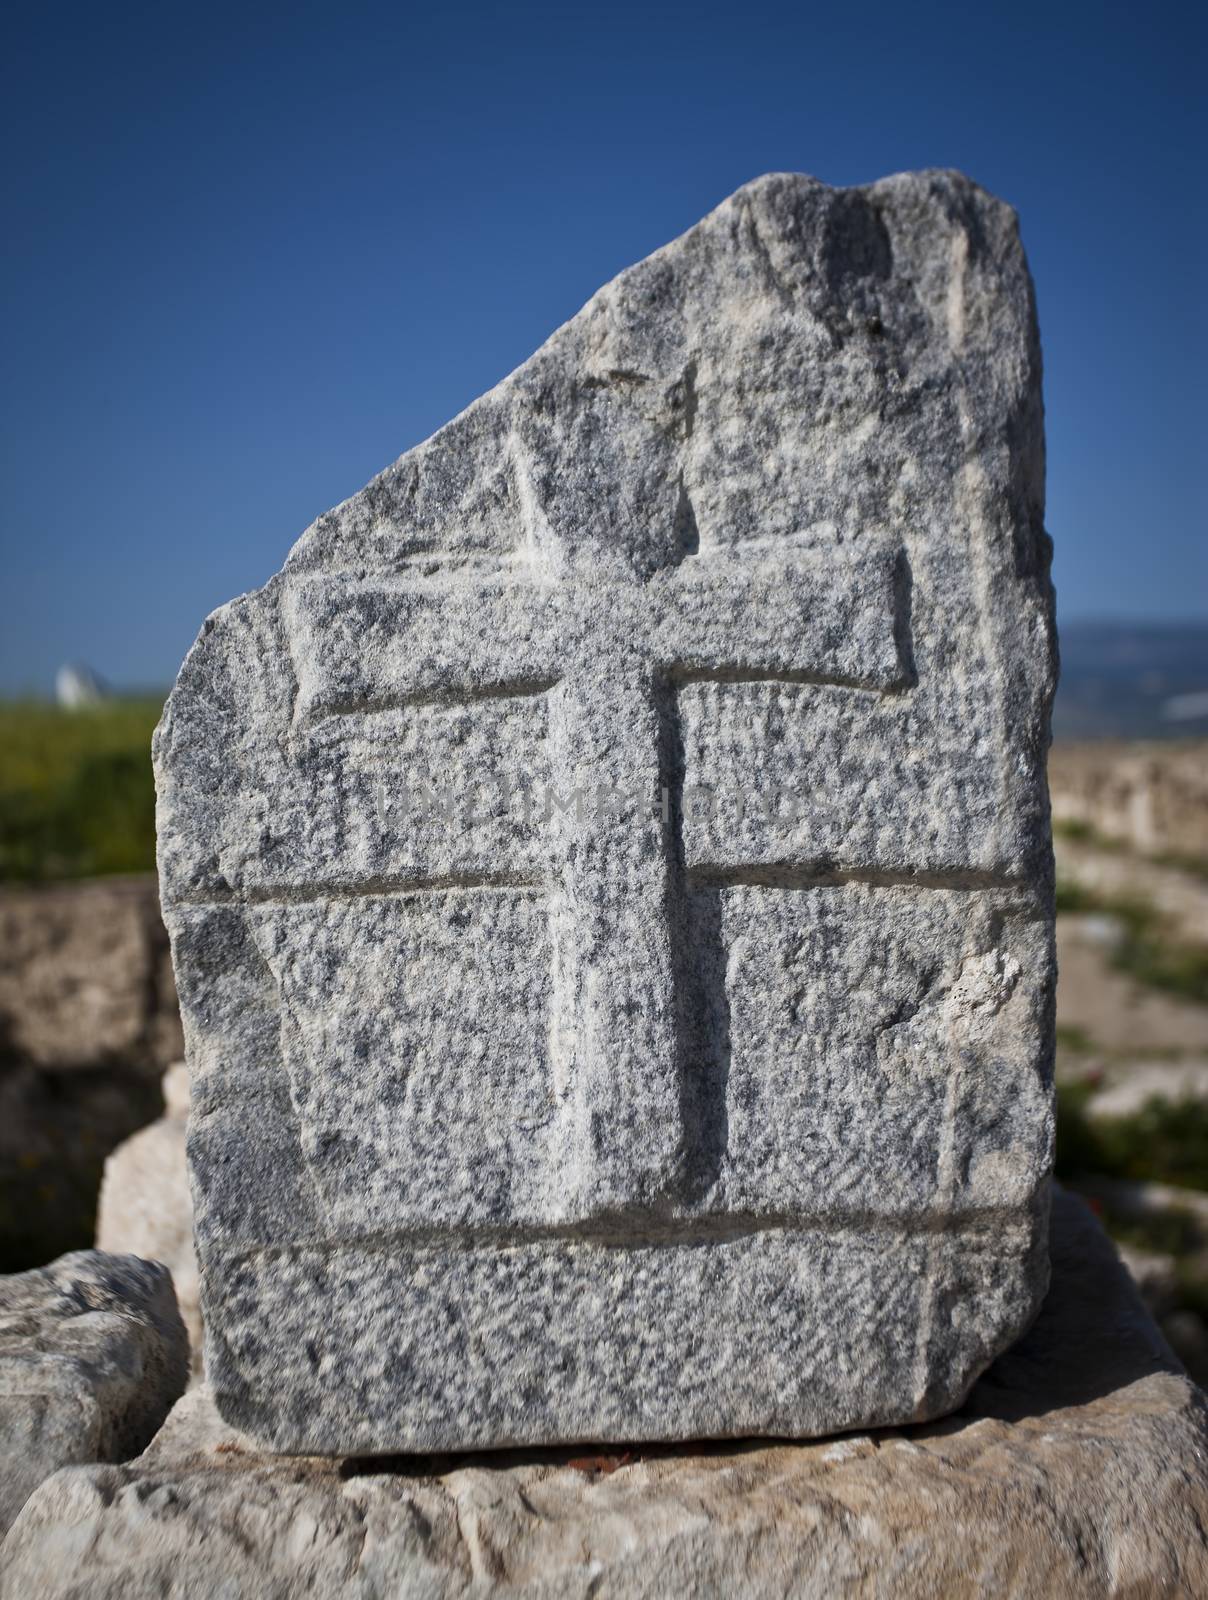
[255, 253]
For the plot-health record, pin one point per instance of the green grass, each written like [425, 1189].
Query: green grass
[1192, 866]
[1073, 899]
[1147, 950]
[1173, 1233]
[1076, 1041]
[1078, 831]
[76, 793]
[1165, 1142]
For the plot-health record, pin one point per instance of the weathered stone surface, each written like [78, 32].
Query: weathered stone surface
[655, 1121]
[1078, 1467]
[145, 1207]
[92, 1355]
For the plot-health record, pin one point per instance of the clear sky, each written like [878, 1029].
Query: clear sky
[253, 253]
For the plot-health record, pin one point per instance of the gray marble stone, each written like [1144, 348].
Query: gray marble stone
[92, 1356]
[609, 876]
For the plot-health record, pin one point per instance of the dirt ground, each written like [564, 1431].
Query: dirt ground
[1114, 1012]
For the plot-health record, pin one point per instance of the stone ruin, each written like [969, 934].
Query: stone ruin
[609, 877]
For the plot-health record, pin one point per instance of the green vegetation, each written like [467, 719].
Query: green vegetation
[1079, 832]
[1147, 950]
[1151, 956]
[1173, 1233]
[1073, 899]
[1192, 866]
[1164, 1142]
[76, 794]
[1076, 1041]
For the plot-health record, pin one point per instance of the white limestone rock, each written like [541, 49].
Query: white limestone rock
[92, 1356]
[515, 1121]
[145, 1207]
[1078, 1468]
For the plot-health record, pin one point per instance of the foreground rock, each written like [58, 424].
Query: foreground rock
[145, 1208]
[684, 1109]
[1078, 1467]
[92, 1355]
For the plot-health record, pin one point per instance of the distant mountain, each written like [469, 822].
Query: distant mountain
[1130, 680]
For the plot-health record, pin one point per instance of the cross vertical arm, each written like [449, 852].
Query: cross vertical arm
[613, 911]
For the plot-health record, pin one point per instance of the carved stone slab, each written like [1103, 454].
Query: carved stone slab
[609, 877]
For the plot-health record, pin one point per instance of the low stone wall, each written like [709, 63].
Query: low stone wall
[88, 1023]
[1150, 795]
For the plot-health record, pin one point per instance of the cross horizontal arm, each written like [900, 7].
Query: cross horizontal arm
[805, 619]
[359, 646]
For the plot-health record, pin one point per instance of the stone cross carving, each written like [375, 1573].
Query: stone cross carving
[610, 655]
[624, 1127]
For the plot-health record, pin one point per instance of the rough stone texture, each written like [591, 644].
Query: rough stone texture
[1078, 1468]
[92, 1356]
[145, 1207]
[88, 1022]
[647, 1122]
